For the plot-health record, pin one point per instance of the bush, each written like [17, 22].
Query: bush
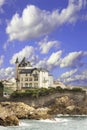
[77, 89]
[1, 89]
[37, 92]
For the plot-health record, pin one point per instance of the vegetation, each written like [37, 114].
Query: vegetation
[1, 89]
[38, 92]
[77, 89]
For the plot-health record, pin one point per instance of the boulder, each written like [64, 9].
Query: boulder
[19, 109]
[9, 121]
[64, 101]
[40, 113]
[70, 108]
[2, 121]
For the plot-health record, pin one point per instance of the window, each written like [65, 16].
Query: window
[30, 79]
[35, 78]
[26, 84]
[30, 84]
[26, 74]
[26, 79]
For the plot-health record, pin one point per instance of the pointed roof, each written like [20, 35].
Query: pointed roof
[16, 61]
[23, 62]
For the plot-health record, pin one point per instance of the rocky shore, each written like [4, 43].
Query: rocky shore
[11, 112]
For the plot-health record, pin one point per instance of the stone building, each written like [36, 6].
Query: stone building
[28, 76]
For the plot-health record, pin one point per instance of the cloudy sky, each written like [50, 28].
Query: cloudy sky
[50, 33]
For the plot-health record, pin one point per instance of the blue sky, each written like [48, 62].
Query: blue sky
[50, 33]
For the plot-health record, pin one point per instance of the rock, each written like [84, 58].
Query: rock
[9, 121]
[60, 105]
[18, 109]
[2, 121]
[64, 101]
[40, 113]
[70, 108]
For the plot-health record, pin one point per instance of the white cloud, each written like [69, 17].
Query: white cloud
[51, 62]
[46, 45]
[42, 63]
[73, 59]
[1, 59]
[54, 58]
[28, 52]
[7, 73]
[35, 22]
[68, 74]
[75, 77]
[2, 2]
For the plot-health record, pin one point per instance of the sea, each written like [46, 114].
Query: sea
[58, 123]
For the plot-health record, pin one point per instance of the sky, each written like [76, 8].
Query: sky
[51, 34]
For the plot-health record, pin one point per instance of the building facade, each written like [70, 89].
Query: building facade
[31, 77]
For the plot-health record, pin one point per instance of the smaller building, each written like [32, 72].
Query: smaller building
[58, 84]
[28, 76]
[9, 86]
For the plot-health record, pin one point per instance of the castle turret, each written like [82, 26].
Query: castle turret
[17, 74]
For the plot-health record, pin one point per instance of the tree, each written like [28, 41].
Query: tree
[1, 89]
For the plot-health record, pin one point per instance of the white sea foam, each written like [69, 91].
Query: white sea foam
[23, 124]
[67, 115]
[61, 120]
[48, 120]
[55, 120]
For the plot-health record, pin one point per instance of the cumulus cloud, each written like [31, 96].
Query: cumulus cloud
[68, 74]
[2, 2]
[7, 73]
[1, 59]
[73, 59]
[28, 52]
[35, 22]
[46, 45]
[54, 58]
[74, 77]
[52, 61]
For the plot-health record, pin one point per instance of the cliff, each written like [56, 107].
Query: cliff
[43, 107]
[45, 97]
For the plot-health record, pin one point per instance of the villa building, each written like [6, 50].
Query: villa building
[29, 77]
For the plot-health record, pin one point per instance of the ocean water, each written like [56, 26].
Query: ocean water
[59, 123]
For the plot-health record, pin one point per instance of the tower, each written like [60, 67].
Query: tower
[17, 73]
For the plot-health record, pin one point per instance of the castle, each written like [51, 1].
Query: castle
[28, 76]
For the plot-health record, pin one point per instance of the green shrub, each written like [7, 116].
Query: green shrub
[37, 92]
[1, 89]
[77, 89]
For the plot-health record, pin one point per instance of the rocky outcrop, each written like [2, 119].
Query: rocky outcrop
[10, 112]
[18, 109]
[40, 113]
[9, 121]
[22, 111]
[65, 105]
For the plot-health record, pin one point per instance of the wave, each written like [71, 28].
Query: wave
[67, 115]
[47, 120]
[22, 123]
[55, 120]
[62, 118]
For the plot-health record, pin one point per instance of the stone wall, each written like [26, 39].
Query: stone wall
[78, 97]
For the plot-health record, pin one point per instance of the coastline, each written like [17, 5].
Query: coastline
[62, 105]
